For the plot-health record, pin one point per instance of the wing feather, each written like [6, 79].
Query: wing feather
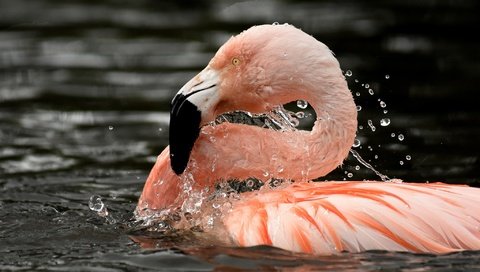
[330, 217]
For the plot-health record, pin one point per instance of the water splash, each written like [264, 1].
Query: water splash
[277, 119]
[282, 119]
[369, 166]
[384, 121]
[96, 204]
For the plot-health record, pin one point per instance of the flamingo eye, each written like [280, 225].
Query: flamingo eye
[235, 61]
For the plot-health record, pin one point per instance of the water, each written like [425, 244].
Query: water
[84, 98]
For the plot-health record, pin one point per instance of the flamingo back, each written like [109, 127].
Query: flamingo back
[330, 217]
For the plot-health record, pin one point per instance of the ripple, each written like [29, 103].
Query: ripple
[36, 163]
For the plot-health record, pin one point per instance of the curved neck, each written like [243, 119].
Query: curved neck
[236, 151]
[229, 151]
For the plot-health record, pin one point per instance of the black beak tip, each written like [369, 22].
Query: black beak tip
[183, 132]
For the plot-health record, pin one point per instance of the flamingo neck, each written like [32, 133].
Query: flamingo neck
[238, 151]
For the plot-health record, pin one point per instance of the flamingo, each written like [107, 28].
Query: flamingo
[257, 70]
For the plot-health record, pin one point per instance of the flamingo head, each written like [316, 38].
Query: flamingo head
[262, 67]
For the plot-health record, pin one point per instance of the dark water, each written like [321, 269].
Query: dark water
[84, 92]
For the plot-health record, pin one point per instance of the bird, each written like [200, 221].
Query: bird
[256, 71]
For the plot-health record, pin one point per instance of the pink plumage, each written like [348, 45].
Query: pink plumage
[270, 65]
[328, 217]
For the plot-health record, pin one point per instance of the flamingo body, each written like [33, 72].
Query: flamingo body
[256, 71]
[330, 217]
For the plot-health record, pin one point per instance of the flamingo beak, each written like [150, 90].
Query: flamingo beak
[190, 106]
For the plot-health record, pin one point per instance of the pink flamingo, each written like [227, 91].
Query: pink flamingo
[255, 71]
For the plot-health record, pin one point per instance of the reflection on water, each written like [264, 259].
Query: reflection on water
[84, 97]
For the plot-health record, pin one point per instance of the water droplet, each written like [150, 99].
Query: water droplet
[356, 143]
[275, 23]
[401, 162]
[383, 104]
[356, 80]
[265, 174]
[367, 86]
[302, 104]
[275, 182]
[360, 127]
[96, 204]
[370, 124]
[216, 205]
[392, 135]
[162, 225]
[349, 175]
[110, 127]
[408, 157]
[250, 183]
[385, 122]
[285, 54]
[385, 111]
[401, 137]
[295, 122]
[376, 156]
[357, 167]
[387, 76]
[300, 114]
[357, 93]
[370, 91]
[359, 108]
[160, 129]
[348, 73]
